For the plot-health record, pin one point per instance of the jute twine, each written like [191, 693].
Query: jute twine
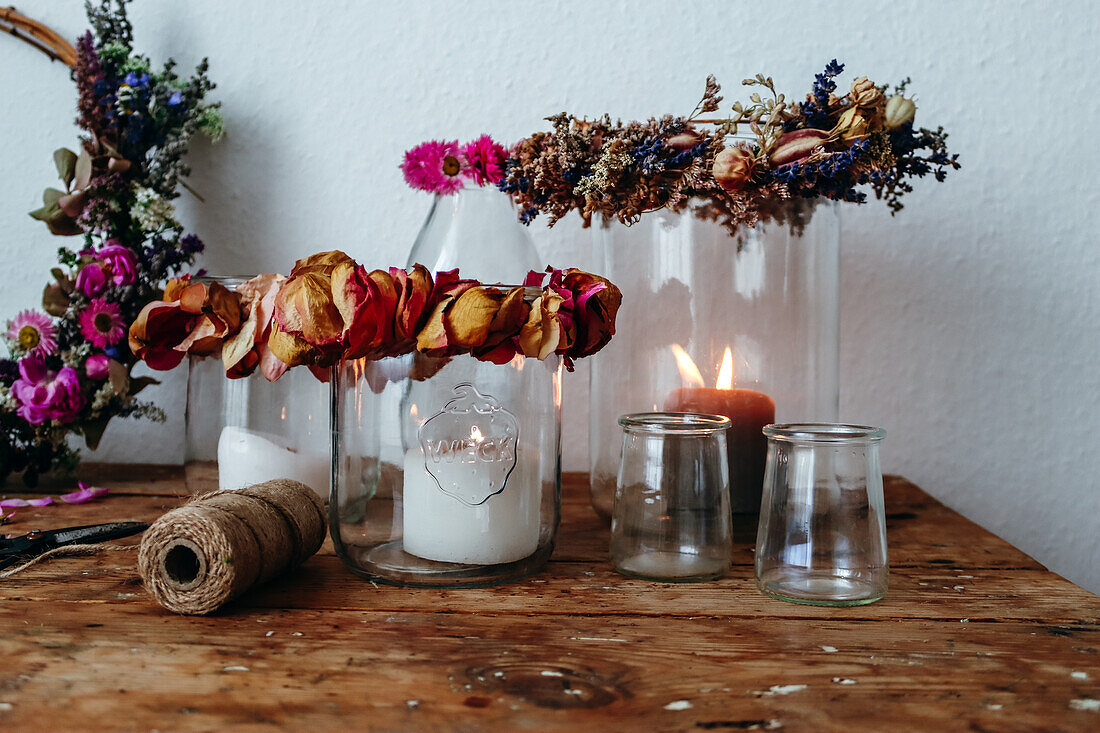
[197, 558]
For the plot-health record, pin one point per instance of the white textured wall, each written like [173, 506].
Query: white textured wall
[970, 323]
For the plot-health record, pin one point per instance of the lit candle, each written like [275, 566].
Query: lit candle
[248, 457]
[748, 410]
[489, 513]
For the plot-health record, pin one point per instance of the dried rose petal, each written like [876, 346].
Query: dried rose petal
[501, 344]
[596, 304]
[175, 287]
[545, 331]
[249, 343]
[85, 494]
[468, 320]
[157, 330]
[17, 503]
[415, 291]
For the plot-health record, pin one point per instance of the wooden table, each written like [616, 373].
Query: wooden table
[973, 635]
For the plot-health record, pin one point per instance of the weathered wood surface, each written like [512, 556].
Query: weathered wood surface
[974, 635]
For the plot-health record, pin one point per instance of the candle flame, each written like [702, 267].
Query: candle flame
[475, 434]
[725, 372]
[688, 371]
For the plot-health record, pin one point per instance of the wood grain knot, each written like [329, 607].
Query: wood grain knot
[546, 685]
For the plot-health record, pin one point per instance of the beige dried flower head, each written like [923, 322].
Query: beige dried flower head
[899, 110]
[865, 94]
[851, 125]
[732, 168]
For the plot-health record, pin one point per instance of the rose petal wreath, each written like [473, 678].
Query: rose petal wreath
[69, 370]
[332, 309]
[824, 147]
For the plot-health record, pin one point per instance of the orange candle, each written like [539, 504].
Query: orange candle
[749, 411]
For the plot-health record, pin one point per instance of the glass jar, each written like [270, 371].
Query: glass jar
[822, 533]
[743, 326]
[475, 230]
[672, 514]
[447, 471]
[244, 431]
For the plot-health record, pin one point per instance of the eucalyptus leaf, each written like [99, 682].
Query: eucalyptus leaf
[139, 383]
[119, 376]
[54, 300]
[93, 431]
[83, 170]
[65, 160]
[63, 280]
[44, 213]
[63, 226]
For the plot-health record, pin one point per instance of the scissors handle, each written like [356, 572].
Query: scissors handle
[36, 542]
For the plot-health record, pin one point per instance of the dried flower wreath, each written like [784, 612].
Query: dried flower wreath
[825, 147]
[332, 309]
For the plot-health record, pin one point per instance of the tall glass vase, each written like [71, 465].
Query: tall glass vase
[476, 230]
[745, 327]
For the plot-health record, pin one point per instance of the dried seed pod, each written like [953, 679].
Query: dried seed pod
[796, 145]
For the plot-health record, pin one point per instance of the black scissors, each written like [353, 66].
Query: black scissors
[36, 542]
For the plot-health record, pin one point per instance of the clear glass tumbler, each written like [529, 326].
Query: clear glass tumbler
[671, 517]
[822, 534]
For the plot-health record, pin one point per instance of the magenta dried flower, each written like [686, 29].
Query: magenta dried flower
[485, 159]
[91, 279]
[34, 332]
[101, 323]
[121, 261]
[435, 167]
[44, 395]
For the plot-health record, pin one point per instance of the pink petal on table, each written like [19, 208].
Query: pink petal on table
[85, 494]
[15, 503]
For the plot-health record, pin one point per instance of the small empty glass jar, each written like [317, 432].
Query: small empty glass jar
[822, 534]
[671, 516]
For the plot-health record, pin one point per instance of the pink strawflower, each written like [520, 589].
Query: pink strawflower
[435, 167]
[97, 367]
[47, 395]
[121, 261]
[102, 323]
[34, 332]
[91, 279]
[485, 160]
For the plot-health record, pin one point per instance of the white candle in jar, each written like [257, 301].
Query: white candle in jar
[248, 457]
[502, 528]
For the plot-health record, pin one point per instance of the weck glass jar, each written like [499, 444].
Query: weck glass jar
[447, 471]
[744, 326]
[244, 431]
[476, 230]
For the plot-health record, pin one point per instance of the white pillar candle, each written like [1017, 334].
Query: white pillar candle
[440, 526]
[248, 457]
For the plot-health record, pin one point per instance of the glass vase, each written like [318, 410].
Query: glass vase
[672, 514]
[822, 534]
[244, 431]
[447, 471]
[475, 230]
[744, 326]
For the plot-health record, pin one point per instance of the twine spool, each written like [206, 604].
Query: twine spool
[197, 558]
